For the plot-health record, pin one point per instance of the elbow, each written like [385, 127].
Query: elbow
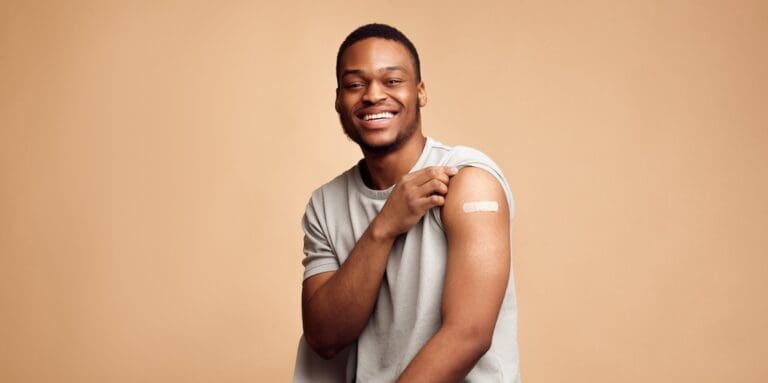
[326, 353]
[326, 338]
[319, 338]
[476, 339]
[480, 344]
[322, 347]
[484, 345]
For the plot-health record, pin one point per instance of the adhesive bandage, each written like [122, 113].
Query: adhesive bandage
[477, 206]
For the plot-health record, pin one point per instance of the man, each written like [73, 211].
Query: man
[407, 268]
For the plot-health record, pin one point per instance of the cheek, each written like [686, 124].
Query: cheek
[408, 97]
[347, 105]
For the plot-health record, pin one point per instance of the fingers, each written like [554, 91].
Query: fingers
[426, 188]
[433, 186]
[442, 173]
[432, 201]
[433, 190]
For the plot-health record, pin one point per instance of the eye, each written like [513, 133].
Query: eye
[394, 81]
[354, 86]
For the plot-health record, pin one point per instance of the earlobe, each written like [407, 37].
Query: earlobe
[337, 103]
[422, 95]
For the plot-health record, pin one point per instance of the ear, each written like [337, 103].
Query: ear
[422, 92]
[337, 104]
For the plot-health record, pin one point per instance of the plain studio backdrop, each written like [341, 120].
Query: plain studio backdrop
[156, 158]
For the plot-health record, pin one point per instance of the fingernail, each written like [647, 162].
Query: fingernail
[453, 169]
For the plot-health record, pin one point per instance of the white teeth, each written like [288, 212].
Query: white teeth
[378, 116]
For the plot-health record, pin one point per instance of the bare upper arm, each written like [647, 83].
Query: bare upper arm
[478, 251]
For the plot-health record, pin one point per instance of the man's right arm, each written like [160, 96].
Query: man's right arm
[336, 305]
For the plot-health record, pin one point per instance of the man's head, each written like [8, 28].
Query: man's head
[381, 31]
[379, 91]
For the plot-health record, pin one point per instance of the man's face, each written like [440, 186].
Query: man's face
[379, 97]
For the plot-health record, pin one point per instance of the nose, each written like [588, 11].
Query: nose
[374, 93]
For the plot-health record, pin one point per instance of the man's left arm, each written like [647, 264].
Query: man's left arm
[475, 282]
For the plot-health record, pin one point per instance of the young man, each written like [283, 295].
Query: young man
[407, 268]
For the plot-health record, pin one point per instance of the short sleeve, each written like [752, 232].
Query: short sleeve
[319, 256]
[463, 156]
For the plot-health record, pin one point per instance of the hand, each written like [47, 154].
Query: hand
[412, 197]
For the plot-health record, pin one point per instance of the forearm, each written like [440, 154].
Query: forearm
[335, 315]
[447, 357]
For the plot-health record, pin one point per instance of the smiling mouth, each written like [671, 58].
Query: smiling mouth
[378, 116]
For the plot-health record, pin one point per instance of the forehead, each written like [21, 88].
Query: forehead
[373, 54]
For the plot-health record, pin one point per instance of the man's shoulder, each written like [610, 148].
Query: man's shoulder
[335, 186]
[462, 156]
[459, 155]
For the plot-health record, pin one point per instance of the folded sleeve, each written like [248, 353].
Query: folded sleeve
[463, 156]
[319, 256]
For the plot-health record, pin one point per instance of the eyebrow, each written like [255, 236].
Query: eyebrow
[360, 71]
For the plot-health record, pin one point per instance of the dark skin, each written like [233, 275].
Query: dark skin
[377, 101]
[377, 77]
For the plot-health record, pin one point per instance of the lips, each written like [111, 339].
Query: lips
[375, 118]
[362, 112]
[378, 116]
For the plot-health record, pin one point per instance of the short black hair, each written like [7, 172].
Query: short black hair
[382, 31]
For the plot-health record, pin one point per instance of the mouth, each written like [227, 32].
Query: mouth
[377, 120]
[377, 116]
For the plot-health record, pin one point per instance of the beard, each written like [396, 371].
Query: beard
[401, 138]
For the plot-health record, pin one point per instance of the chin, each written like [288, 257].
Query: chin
[383, 141]
[384, 144]
[379, 138]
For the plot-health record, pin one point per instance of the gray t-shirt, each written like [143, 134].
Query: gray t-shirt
[407, 312]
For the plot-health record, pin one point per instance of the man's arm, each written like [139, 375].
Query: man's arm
[476, 279]
[337, 305]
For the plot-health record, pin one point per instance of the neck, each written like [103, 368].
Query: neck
[384, 170]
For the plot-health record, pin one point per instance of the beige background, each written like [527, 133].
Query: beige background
[156, 157]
